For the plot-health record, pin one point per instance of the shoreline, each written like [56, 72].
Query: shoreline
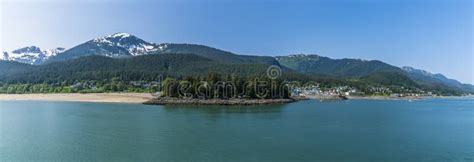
[81, 97]
[147, 98]
[228, 102]
[396, 98]
[385, 98]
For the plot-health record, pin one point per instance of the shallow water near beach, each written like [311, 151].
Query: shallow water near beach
[353, 130]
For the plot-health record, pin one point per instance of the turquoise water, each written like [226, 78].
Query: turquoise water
[356, 130]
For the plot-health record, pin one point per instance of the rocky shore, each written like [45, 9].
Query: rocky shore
[193, 101]
[327, 97]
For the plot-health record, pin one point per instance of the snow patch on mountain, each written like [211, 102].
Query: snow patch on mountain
[121, 34]
[134, 45]
[4, 56]
[30, 55]
[160, 47]
[54, 52]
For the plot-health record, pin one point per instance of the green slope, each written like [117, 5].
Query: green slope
[314, 64]
[147, 67]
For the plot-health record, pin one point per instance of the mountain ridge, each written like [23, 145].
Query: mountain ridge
[120, 45]
[425, 77]
[367, 69]
[31, 55]
[125, 45]
[316, 64]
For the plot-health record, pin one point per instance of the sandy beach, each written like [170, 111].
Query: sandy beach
[78, 97]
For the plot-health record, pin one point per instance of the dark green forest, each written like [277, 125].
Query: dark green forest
[96, 74]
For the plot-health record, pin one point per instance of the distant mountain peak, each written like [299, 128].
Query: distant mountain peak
[300, 57]
[132, 44]
[114, 38]
[117, 45]
[120, 35]
[30, 55]
[29, 49]
[427, 77]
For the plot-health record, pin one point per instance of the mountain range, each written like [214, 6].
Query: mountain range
[31, 55]
[100, 53]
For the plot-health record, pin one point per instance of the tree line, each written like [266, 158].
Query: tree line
[216, 86]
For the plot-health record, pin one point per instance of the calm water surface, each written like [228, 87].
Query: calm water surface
[357, 130]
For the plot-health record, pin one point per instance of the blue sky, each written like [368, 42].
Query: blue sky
[435, 35]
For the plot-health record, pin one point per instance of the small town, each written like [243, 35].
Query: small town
[344, 92]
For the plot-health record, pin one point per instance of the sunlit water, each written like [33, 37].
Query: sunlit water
[357, 130]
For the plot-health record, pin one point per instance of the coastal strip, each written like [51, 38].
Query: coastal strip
[192, 101]
[388, 98]
[146, 98]
[80, 97]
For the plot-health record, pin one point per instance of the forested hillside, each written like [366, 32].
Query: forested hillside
[127, 69]
[126, 58]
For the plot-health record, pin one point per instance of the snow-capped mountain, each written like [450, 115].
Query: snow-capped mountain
[135, 46]
[116, 45]
[53, 52]
[121, 45]
[30, 55]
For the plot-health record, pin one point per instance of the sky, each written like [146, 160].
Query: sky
[434, 35]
